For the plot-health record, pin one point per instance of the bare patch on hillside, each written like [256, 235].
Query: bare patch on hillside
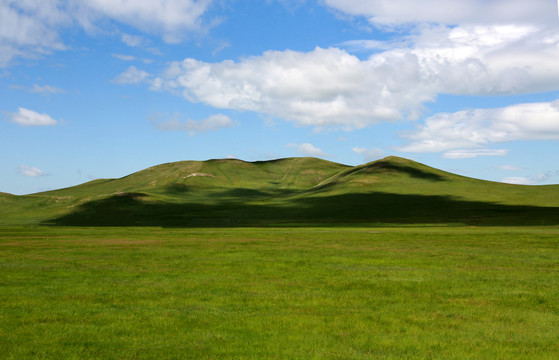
[199, 174]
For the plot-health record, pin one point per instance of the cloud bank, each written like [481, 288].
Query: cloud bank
[479, 127]
[32, 28]
[333, 88]
[450, 12]
[172, 19]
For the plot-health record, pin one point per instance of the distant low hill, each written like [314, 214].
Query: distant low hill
[292, 191]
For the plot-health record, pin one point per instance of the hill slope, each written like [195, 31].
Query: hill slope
[286, 191]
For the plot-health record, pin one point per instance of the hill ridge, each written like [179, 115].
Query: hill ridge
[220, 192]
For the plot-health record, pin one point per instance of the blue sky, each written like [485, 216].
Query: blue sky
[103, 88]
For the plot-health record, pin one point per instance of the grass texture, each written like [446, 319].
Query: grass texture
[279, 293]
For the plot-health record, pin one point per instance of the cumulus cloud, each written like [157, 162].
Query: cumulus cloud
[479, 127]
[170, 18]
[30, 171]
[307, 149]
[369, 154]
[32, 28]
[324, 87]
[480, 60]
[26, 117]
[451, 12]
[330, 87]
[28, 29]
[192, 127]
[132, 75]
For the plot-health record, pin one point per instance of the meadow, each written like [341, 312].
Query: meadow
[388, 292]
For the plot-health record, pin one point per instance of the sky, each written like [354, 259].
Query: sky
[103, 88]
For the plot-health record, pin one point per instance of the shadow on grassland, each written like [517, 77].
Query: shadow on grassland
[386, 166]
[136, 209]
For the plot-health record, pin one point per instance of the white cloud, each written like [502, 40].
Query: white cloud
[154, 51]
[221, 47]
[468, 154]
[307, 149]
[132, 75]
[369, 154]
[30, 171]
[212, 123]
[124, 57]
[324, 87]
[535, 179]
[365, 45]
[479, 127]
[479, 60]
[330, 87]
[510, 168]
[170, 18]
[29, 29]
[518, 180]
[46, 89]
[26, 117]
[132, 40]
[542, 177]
[32, 28]
[452, 12]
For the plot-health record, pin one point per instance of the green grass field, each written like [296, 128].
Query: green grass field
[279, 293]
[295, 258]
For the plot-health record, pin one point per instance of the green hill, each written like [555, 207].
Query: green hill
[291, 191]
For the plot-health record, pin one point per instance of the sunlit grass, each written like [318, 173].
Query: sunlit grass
[377, 293]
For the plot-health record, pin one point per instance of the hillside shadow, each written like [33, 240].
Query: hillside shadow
[176, 189]
[408, 170]
[373, 208]
[243, 194]
[389, 167]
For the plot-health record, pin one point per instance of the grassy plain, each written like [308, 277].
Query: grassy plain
[427, 292]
